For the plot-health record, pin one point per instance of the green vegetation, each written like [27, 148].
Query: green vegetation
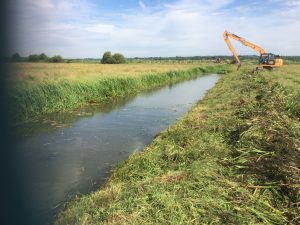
[36, 58]
[32, 74]
[116, 58]
[47, 97]
[43, 57]
[16, 57]
[233, 159]
[119, 58]
[56, 59]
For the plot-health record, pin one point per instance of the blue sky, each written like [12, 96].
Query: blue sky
[143, 28]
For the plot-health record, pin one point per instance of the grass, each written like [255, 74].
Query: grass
[67, 90]
[233, 159]
[29, 74]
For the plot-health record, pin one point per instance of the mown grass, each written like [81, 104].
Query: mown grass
[233, 159]
[29, 101]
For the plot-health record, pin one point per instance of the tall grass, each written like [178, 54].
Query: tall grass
[47, 97]
[28, 74]
[234, 159]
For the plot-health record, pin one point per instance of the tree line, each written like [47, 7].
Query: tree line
[36, 58]
[107, 58]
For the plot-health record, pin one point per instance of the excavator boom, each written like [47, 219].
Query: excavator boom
[231, 48]
[244, 42]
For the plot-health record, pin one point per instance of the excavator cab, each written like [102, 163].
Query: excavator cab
[269, 61]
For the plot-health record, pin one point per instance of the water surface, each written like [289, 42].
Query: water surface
[70, 153]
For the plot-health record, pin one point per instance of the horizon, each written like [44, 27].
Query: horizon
[148, 57]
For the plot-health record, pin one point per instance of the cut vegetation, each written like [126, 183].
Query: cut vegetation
[234, 159]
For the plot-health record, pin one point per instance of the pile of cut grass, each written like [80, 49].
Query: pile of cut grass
[264, 135]
[47, 97]
[233, 159]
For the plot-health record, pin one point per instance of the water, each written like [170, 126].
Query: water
[73, 153]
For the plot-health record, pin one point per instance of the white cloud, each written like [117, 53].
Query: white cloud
[105, 29]
[73, 28]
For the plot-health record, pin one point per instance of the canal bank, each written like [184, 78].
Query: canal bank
[232, 158]
[30, 98]
[72, 153]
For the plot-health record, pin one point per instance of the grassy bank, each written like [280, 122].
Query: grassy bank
[30, 74]
[34, 99]
[234, 159]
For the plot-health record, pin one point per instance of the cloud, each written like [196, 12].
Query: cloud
[142, 5]
[81, 28]
[46, 4]
[104, 29]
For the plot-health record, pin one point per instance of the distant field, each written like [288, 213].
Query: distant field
[30, 73]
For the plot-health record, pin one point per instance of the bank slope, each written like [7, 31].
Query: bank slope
[234, 158]
[28, 102]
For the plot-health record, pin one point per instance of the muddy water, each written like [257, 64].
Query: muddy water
[73, 153]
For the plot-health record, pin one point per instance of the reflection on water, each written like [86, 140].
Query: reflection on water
[70, 153]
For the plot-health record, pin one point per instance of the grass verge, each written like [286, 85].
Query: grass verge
[47, 97]
[233, 159]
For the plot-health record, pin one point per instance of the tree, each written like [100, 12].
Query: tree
[119, 58]
[34, 58]
[43, 57]
[111, 60]
[107, 58]
[16, 57]
[56, 59]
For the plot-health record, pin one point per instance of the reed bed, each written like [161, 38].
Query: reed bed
[30, 74]
[47, 96]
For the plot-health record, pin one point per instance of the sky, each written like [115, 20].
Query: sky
[145, 28]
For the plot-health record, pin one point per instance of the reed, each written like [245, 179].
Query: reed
[30, 101]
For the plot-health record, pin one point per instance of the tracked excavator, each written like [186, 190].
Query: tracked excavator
[266, 60]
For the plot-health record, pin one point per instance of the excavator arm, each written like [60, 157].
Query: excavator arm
[226, 36]
[231, 48]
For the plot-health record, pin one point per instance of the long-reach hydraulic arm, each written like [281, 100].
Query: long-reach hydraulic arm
[267, 60]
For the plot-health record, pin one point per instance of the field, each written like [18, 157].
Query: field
[233, 159]
[40, 88]
[36, 73]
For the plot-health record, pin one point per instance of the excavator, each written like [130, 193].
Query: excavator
[266, 60]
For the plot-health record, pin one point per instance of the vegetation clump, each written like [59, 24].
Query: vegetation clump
[43, 57]
[56, 59]
[15, 57]
[116, 58]
[34, 58]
